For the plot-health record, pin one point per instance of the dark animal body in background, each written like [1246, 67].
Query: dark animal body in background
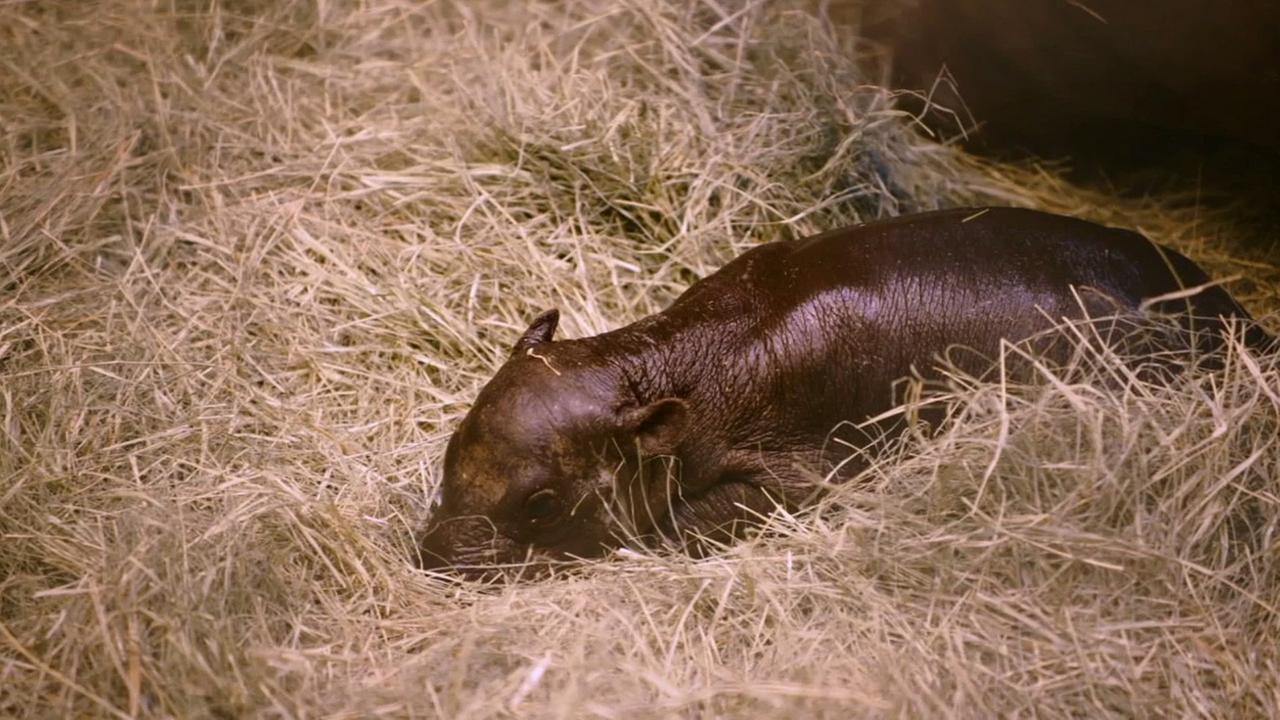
[1180, 96]
[1059, 76]
[697, 419]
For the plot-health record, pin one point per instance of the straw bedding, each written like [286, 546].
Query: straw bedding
[258, 256]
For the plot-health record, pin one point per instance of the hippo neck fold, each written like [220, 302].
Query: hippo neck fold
[672, 356]
[656, 358]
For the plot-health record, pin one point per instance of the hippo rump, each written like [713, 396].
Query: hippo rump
[690, 423]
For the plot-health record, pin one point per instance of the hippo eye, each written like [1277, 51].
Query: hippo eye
[542, 506]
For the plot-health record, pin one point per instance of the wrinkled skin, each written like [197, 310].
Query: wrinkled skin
[693, 423]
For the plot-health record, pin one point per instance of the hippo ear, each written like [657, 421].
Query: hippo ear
[659, 427]
[540, 331]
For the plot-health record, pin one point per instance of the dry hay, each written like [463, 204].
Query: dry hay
[258, 256]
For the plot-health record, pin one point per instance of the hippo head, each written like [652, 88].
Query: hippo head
[531, 474]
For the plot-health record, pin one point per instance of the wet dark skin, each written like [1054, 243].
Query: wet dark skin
[698, 421]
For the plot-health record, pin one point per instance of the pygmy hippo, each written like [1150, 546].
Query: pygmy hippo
[694, 421]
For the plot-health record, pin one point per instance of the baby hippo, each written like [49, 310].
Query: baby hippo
[693, 422]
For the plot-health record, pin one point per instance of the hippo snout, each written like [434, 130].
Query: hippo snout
[435, 548]
[458, 543]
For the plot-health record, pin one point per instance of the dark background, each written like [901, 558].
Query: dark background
[1146, 97]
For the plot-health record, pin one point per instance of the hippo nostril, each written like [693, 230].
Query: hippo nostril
[429, 560]
[433, 549]
[457, 545]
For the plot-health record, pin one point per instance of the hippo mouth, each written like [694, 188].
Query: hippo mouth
[470, 548]
[494, 565]
[467, 546]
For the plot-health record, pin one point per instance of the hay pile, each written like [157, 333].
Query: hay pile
[258, 256]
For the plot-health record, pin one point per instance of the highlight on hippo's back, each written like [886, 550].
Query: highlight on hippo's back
[773, 376]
